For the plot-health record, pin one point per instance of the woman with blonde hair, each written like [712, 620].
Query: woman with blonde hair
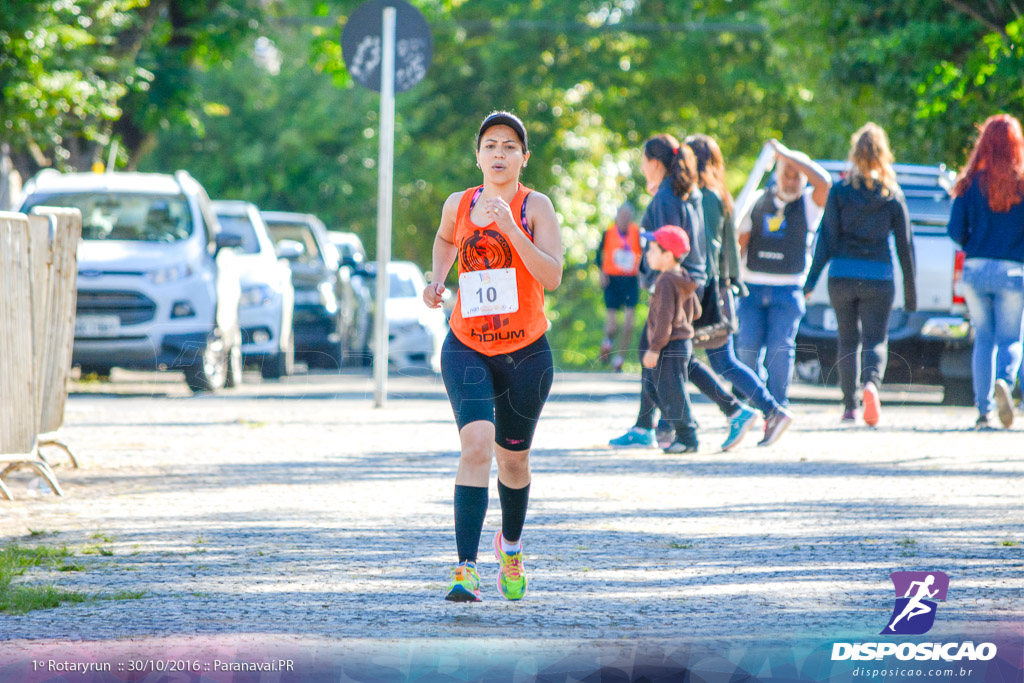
[860, 214]
[987, 220]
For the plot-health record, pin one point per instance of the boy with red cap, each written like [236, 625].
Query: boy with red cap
[672, 309]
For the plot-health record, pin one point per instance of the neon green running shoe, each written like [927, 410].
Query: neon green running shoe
[512, 577]
[465, 585]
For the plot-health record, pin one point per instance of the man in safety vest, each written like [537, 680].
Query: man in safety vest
[775, 238]
[618, 257]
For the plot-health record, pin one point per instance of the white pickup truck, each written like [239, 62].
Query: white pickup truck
[931, 345]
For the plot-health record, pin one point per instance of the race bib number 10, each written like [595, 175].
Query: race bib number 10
[488, 292]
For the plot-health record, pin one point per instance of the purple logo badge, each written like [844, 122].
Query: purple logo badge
[914, 612]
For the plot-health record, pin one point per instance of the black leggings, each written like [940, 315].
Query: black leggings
[508, 389]
[862, 312]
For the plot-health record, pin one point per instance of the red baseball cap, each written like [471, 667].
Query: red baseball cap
[671, 238]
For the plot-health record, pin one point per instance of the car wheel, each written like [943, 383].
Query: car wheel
[821, 369]
[210, 371]
[279, 365]
[957, 392]
[331, 357]
[235, 368]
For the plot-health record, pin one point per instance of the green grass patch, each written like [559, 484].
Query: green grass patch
[103, 538]
[122, 595]
[1009, 544]
[22, 599]
[97, 550]
[15, 560]
[676, 545]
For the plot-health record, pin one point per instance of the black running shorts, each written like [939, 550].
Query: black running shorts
[623, 291]
[508, 390]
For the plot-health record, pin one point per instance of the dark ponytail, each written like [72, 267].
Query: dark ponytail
[710, 167]
[679, 161]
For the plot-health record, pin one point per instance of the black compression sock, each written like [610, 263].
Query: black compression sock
[470, 510]
[513, 510]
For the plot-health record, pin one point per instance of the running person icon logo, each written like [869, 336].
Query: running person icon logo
[914, 611]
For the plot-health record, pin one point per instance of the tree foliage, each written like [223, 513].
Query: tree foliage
[186, 84]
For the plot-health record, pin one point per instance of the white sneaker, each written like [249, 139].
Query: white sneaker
[1004, 403]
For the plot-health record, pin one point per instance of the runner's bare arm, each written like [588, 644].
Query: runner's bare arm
[444, 252]
[543, 256]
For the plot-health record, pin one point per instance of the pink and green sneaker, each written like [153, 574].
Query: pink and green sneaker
[465, 585]
[512, 577]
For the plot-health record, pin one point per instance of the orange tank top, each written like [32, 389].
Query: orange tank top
[621, 255]
[500, 305]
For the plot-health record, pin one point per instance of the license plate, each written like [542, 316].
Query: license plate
[828, 320]
[97, 326]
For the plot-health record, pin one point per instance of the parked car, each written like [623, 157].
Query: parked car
[158, 282]
[350, 248]
[268, 297]
[324, 303]
[931, 345]
[354, 262]
[415, 332]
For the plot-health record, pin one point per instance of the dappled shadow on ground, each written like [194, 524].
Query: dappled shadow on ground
[352, 581]
[617, 572]
[341, 466]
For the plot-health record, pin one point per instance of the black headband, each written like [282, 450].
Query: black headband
[503, 118]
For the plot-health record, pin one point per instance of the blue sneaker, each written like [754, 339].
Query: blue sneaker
[739, 425]
[635, 437]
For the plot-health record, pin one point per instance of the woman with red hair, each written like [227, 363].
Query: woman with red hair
[987, 220]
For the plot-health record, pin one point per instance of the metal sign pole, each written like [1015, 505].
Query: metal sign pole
[385, 178]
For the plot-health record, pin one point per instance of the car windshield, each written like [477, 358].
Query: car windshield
[401, 286]
[241, 226]
[301, 233]
[132, 217]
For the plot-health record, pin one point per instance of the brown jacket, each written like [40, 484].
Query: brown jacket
[673, 307]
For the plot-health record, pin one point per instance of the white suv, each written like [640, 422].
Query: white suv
[268, 297]
[157, 287]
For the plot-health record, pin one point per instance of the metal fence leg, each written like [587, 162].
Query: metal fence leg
[53, 441]
[39, 467]
[6, 494]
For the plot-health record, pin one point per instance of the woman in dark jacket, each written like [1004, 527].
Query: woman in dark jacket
[672, 175]
[724, 270]
[987, 220]
[860, 214]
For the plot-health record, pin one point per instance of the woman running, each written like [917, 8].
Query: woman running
[496, 362]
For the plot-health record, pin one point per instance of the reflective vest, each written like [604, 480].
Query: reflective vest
[778, 239]
[621, 254]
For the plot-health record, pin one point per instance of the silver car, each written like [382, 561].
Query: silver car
[268, 298]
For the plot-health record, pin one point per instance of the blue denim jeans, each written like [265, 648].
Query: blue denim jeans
[726, 365]
[994, 290]
[769, 318]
